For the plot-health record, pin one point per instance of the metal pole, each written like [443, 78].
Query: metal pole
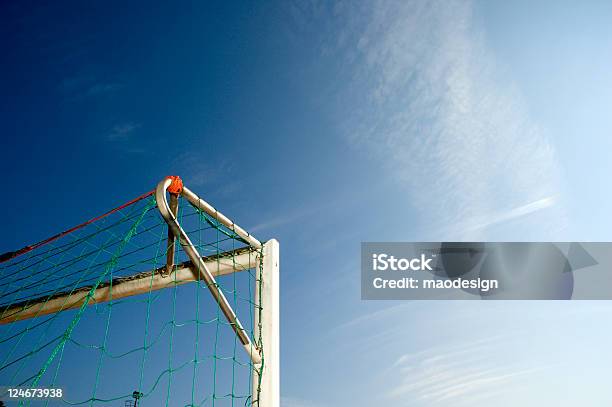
[266, 375]
[148, 281]
[202, 269]
[224, 220]
[174, 203]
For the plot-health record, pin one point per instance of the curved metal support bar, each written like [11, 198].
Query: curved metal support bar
[200, 266]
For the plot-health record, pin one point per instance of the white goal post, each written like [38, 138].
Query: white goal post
[263, 348]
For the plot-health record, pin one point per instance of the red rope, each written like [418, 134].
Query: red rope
[11, 255]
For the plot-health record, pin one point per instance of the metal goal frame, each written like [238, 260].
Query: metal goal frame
[262, 257]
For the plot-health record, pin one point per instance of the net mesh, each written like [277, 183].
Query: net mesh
[172, 346]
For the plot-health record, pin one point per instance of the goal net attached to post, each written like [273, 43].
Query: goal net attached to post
[156, 302]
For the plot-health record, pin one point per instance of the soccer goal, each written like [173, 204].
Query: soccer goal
[163, 301]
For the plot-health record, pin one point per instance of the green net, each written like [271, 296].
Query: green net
[112, 346]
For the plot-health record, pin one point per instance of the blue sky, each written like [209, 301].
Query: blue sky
[325, 125]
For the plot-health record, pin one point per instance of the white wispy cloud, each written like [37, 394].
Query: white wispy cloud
[460, 373]
[293, 216]
[199, 170]
[374, 315]
[80, 86]
[488, 220]
[102, 88]
[423, 97]
[280, 220]
[439, 114]
[123, 131]
[297, 402]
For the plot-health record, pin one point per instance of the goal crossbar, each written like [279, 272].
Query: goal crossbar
[122, 287]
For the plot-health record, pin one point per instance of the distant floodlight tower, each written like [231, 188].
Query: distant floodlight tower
[136, 395]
